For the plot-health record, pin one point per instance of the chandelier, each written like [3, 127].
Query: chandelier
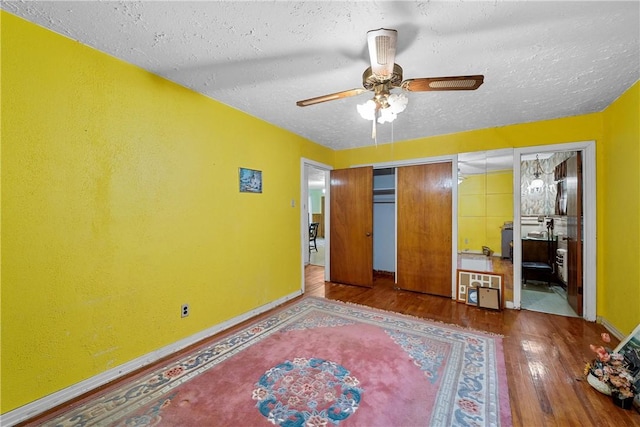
[537, 182]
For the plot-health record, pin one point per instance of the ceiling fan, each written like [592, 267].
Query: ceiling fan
[384, 74]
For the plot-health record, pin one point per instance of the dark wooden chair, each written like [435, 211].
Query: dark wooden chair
[313, 234]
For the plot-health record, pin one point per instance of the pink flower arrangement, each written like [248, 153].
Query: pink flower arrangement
[611, 368]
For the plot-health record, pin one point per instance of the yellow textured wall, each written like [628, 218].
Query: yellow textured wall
[499, 206]
[472, 213]
[570, 129]
[621, 217]
[120, 202]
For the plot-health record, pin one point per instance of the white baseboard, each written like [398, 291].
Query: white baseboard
[39, 406]
[609, 327]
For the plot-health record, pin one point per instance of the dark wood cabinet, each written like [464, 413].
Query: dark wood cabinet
[539, 250]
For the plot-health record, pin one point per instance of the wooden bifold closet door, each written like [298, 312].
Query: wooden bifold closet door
[424, 224]
[351, 215]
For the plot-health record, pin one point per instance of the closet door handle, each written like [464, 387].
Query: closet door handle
[368, 234]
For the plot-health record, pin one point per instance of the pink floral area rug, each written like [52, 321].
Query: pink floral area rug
[319, 363]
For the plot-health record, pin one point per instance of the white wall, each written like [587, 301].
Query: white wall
[384, 224]
[384, 233]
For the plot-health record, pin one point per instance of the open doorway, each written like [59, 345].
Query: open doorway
[317, 183]
[546, 229]
[567, 219]
[314, 208]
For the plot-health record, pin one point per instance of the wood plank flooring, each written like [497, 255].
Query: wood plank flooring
[545, 354]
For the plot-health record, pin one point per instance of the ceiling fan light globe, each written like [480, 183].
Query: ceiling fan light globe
[386, 116]
[397, 102]
[367, 110]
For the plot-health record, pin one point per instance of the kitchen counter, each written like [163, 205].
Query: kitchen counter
[541, 239]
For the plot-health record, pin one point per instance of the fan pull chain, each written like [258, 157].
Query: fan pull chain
[374, 134]
[392, 132]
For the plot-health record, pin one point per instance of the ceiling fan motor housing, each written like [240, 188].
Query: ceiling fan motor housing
[370, 80]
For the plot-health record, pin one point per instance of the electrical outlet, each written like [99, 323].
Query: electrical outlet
[184, 310]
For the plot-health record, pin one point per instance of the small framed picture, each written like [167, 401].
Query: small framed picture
[472, 295]
[489, 298]
[250, 180]
[480, 279]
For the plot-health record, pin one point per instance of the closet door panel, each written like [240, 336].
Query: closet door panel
[424, 200]
[351, 215]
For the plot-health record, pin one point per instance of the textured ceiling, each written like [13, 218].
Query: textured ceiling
[541, 60]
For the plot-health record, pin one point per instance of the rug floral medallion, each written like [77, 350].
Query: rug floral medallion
[318, 363]
[307, 392]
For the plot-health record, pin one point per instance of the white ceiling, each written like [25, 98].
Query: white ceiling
[541, 60]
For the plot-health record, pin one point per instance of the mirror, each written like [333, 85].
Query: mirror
[485, 214]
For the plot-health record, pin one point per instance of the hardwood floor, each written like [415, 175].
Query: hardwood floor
[544, 354]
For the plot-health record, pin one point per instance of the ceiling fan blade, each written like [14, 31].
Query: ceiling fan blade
[443, 83]
[330, 97]
[382, 51]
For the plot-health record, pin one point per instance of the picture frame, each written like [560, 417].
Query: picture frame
[630, 349]
[484, 279]
[250, 180]
[489, 298]
[472, 295]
